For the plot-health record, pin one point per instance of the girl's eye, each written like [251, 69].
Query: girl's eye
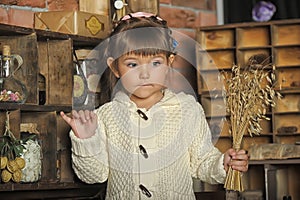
[131, 65]
[156, 63]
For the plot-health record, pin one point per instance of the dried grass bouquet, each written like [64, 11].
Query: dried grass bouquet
[250, 92]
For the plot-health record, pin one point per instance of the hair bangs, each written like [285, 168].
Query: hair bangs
[142, 41]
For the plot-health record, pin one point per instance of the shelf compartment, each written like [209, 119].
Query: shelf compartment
[212, 81]
[215, 39]
[253, 36]
[287, 124]
[245, 55]
[287, 56]
[215, 60]
[288, 103]
[288, 139]
[26, 47]
[213, 106]
[219, 126]
[288, 78]
[261, 139]
[223, 144]
[288, 34]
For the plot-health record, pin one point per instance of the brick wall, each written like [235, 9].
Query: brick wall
[182, 15]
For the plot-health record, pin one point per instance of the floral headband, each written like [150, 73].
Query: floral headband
[146, 15]
[140, 14]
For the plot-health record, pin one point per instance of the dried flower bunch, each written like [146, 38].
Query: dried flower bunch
[250, 92]
[11, 149]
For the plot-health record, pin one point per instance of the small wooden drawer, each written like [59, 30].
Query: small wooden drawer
[287, 123]
[288, 78]
[288, 103]
[245, 56]
[287, 34]
[287, 56]
[214, 39]
[221, 59]
[253, 36]
[213, 106]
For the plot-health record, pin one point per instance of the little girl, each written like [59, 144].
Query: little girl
[149, 141]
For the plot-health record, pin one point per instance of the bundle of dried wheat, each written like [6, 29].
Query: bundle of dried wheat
[249, 94]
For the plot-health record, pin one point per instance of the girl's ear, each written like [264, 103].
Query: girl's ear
[171, 59]
[110, 64]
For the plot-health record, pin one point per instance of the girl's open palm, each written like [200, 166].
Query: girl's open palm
[83, 123]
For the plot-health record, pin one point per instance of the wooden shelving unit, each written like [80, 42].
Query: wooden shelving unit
[219, 47]
[57, 179]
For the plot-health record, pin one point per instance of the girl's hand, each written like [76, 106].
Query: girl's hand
[83, 123]
[237, 160]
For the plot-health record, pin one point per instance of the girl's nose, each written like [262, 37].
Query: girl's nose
[144, 72]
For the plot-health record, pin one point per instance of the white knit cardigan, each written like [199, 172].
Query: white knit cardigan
[176, 146]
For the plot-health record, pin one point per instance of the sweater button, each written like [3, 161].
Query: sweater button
[145, 191]
[143, 151]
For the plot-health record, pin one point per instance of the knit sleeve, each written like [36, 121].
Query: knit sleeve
[89, 157]
[206, 160]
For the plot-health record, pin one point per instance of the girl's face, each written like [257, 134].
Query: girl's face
[142, 76]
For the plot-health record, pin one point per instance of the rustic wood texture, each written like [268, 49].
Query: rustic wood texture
[14, 118]
[26, 47]
[286, 34]
[274, 151]
[66, 173]
[56, 66]
[253, 36]
[216, 39]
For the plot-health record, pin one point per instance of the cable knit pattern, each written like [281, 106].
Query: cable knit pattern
[178, 144]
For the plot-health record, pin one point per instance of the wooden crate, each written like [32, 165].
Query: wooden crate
[46, 125]
[74, 22]
[56, 70]
[95, 6]
[26, 47]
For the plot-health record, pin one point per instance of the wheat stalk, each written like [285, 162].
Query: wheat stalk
[250, 93]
